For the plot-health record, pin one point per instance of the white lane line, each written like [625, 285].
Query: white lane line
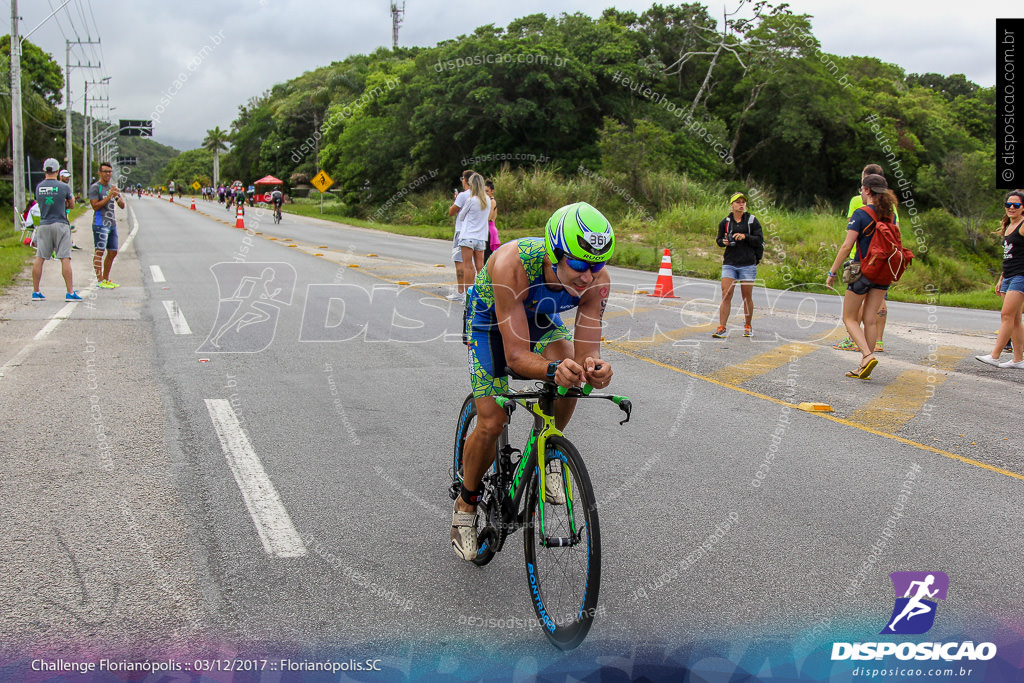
[272, 522]
[158, 275]
[55, 320]
[178, 322]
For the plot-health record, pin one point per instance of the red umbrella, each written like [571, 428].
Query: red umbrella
[269, 180]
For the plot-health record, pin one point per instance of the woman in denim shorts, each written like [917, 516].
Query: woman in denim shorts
[741, 235]
[874, 192]
[1011, 284]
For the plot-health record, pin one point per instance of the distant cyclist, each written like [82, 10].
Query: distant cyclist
[513, 320]
[277, 199]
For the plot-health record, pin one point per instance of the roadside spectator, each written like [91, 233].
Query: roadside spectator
[493, 241]
[65, 177]
[459, 201]
[883, 313]
[53, 236]
[863, 292]
[103, 195]
[474, 236]
[1011, 284]
[740, 233]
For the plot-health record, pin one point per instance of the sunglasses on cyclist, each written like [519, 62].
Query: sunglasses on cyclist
[1013, 205]
[583, 266]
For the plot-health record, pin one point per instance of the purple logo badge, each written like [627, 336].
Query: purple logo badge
[917, 594]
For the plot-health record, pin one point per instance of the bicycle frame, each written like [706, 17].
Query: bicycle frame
[541, 404]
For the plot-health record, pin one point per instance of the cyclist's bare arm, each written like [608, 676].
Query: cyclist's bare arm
[587, 332]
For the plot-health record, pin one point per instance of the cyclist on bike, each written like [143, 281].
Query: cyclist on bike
[513, 321]
[277, 199]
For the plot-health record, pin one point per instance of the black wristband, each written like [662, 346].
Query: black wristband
[552, 368]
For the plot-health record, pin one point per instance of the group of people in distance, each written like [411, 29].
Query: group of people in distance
[476, 235]
[864, 303]
[52, 236]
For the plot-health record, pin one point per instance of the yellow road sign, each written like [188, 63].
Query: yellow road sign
[322, 181]
[196, 185]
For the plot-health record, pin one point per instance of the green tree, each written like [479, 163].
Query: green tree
[964, 185]
[215, 141]
[188, 167]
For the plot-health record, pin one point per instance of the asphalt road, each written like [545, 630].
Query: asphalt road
[334, 402]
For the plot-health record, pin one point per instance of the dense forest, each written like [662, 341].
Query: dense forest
[658, 116]
[668, 90]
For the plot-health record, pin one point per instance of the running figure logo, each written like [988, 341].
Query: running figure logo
[251, 296]
[916, 594]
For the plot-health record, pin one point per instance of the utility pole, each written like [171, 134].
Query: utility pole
[69, 159]
[17, 133]
[85, 134]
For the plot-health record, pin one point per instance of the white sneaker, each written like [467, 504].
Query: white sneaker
[1010, 364]
[456, 296]
[554, 487]
[988, 360]
[463, 536]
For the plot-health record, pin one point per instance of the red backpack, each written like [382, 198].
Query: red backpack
[886, 259]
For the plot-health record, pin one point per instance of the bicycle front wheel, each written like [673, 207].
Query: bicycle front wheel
[562, 542]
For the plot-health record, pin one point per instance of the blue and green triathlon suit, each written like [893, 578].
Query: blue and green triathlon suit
[543, 304]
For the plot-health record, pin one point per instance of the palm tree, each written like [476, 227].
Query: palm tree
[215, 142]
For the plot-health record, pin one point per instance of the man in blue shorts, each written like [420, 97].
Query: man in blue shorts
[103, 195]
[513, 320]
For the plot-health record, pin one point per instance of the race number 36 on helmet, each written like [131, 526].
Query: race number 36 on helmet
[580, 233]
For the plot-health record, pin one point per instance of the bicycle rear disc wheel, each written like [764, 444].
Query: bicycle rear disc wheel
[563, 564]
[467, 423]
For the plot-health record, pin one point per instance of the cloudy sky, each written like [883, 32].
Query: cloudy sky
[239, 49]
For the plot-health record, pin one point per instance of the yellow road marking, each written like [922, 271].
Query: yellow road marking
[903, 398]
[763, 363]
[825, 416]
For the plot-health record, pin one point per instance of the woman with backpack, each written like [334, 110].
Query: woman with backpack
[1011, 284]
[877, 197]
[741, 235]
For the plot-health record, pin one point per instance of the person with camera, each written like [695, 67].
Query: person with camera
[741, 235]
[103, 196]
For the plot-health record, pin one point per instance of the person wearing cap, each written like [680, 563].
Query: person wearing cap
[103, 195]
[876, 194]
[65, 177]
[741, 235]
[53, 236]
[856, 202]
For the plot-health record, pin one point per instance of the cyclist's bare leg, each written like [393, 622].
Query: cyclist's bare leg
[478, 453]
[560, 350]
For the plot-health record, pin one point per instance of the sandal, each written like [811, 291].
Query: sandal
[864, 371]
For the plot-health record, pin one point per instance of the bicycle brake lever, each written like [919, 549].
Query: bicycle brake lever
[627, 408]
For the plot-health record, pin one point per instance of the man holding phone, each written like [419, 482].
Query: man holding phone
[103, 195]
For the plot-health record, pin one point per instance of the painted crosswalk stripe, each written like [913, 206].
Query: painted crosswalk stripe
[902, 399]
[158, 274]
[268, 513]
[178, 322]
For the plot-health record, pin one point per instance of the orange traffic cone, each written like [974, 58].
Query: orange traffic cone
[193, 207]
[663, 287]
[172, 199]
[159, 195]
[240, 219]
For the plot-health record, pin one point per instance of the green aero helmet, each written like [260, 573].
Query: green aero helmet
[579, 231]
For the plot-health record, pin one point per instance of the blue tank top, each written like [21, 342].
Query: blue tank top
[540, 300]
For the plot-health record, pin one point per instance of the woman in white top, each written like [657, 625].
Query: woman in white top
[475, 234]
